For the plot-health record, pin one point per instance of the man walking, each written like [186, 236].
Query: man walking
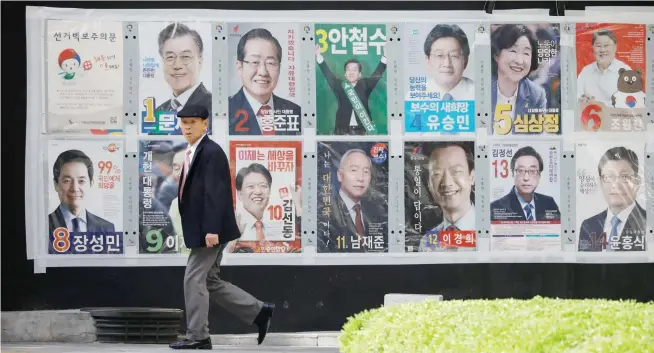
[209, 224]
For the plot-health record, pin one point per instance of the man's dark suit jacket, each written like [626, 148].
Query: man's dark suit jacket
[240, 102]
[199, 97]
[510, 204]
[206, 206]
[93, 223]
[590, 233]
[363, 89]
[341, 224]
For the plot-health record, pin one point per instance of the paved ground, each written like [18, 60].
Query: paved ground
[144, 348]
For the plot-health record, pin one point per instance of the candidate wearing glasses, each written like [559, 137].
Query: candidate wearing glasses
[258, 63]
[523, 203]
[624, 217]
[181, 51]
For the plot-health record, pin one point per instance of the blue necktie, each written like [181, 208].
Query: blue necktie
[448, 97]
[530, 217]
[76, 225]
[614, 232]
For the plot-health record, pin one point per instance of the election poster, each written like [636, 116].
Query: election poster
[351, 88]
[611, 196]
[174, 72]
[85, 197]
[439, 196]
[85, 77]
[160, 224]
[267, 196]
[611, 82]
[439, 69]
[352, 197]
[525, 196]
[526, 79]
[265, 79]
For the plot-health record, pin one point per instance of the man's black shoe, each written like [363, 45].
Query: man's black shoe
[263, 320]
[192, 344]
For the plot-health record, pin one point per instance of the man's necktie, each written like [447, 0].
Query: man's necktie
[265, 111]
[448, 97]
[187, 164]
[174, 104]
[452, 227]
[615, 221]
[76, 225]
[359, 222]
[530, 217]
[258, 225]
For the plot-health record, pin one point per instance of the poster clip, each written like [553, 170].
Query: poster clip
[489, 6]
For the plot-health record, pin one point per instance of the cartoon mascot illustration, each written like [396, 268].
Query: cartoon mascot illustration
[630, 90]
[69, 61]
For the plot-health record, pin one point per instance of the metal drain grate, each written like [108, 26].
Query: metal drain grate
[137, 325]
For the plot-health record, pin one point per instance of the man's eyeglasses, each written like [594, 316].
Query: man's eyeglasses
[624, 178]
[184, 59]
[271, 65]
[532, 172]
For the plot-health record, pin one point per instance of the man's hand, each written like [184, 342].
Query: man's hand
[211, 240]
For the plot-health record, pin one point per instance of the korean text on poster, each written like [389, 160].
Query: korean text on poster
[351, 85]
[85, 77]
[525, 194]
[610, 190]
[439, 78]
[174, 72]
[160, 224]
[85, 197]
[267, 196]
[439, 195]
[264, 79]
[352, 196]
[525, 79]
[611, 83]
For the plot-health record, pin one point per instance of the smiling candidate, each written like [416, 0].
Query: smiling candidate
[181, 50]
[258, 63]
[253, 185]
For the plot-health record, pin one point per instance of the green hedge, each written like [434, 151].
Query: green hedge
[538, 325]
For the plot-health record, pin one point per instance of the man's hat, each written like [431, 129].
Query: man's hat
[193, 111]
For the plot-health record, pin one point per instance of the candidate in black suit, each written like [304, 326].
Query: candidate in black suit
[209, 223]
[181, 50]
[258, 63]
[72, 177]
[523, 203]
[347, 120]
[622, 225]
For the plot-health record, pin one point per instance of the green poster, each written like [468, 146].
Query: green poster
[351, 69]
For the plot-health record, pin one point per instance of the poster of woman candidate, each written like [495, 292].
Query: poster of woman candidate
[525, 79]
[85, 197]
[351, 88]
[267, 195]
[611, 70]
[439, 68]
[352, 196]
[85, 77]
[160, 225]
[174, 71]
[265, 76]
[525, 196]
[439, 196]
[611, 199]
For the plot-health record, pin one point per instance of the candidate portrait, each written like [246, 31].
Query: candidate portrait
[255, 109]
[522, 202]
[72, 178]
[181, 50]
[623, 220]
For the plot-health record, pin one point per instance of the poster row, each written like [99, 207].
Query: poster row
[272, 79]
[351, 184]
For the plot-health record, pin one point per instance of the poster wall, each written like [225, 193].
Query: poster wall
[439, 196]
[85, 197]
[264, 79]
[352, 196]
[351, 87]
[526, 79]
[267, 195]
[175, 70]
[439, 68]
[525, 196]
[79, 55]
[610, 191]
[611, 77]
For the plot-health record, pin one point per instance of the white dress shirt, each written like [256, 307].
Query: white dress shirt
[250, 230]
[68, 218]
[350, 208]
[256, 105]
[465, 222]
[623, 216]
[601, 85]
[501, 99]
[183, 98]
[524, 203]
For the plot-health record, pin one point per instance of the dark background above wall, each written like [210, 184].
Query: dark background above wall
[310, 298]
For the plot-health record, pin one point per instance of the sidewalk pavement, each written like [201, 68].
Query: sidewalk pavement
[145, 348]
